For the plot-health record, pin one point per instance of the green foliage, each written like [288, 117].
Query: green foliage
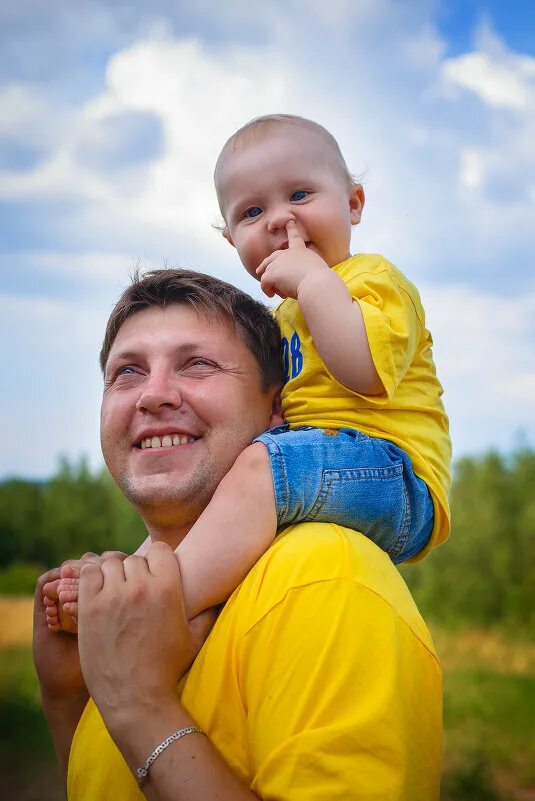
[489, 718]
[27, 761]
[21, 531]
[471, 781]
[22, 725]
[85, 512]
[76, 511]
[19, 578]
[485, 574]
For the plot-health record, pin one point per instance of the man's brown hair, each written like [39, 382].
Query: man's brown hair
[212, 298]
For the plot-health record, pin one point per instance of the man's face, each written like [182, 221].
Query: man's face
[291, 175]
[182, 399]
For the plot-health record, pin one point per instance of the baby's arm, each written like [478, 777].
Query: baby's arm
[334, 319]
[235, 529]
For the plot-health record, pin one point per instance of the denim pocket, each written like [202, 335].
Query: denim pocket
[372, 500]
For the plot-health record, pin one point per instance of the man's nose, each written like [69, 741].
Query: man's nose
[160, 391]
[279, 217]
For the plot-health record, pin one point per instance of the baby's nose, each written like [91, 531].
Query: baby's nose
[279, 219]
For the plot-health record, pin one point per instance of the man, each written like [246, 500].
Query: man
[319, 678]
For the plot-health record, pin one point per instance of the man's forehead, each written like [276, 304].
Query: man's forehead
[176, 325]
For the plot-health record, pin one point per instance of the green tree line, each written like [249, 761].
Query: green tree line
[484, 575]
[42, 524]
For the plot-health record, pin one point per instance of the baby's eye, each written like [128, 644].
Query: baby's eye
[254, 211]
[299, 195]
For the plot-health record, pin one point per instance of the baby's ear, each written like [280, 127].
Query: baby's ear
[356, 203]
[226, 234]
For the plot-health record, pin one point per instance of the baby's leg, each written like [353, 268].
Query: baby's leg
[50, 602]
[236, 528]
[61, 612]
[68, 592]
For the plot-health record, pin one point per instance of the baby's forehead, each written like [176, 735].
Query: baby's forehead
[286, 136]
[289, 143]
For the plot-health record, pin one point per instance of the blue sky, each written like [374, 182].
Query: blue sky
[112, 117]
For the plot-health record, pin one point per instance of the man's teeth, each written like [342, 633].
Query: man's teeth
[166, 441]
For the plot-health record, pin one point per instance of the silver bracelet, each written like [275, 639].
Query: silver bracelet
[143, 772]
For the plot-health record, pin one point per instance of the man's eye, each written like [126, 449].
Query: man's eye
[299, 195]
[126, 371]
[198, 363]
[254, 211]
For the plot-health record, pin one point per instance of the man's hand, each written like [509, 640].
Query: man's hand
[60, 596]
[282, 272]
[134, 638]
[63, 690]
[55, 655]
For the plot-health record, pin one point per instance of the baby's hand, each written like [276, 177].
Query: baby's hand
[282, 271]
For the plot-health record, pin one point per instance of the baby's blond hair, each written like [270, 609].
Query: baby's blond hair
[261, 127]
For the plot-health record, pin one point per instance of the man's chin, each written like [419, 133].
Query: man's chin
[150, 492]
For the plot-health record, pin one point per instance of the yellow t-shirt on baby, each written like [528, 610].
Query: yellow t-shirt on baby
[410, 412]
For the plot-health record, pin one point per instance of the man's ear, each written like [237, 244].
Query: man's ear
[276, 412]
[226, 234]
[356, 203]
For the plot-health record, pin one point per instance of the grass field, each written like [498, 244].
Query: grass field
[489, 703]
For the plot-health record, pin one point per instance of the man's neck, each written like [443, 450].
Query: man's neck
[171, 534]
[166, 525]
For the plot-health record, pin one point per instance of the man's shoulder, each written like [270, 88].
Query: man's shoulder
[312, 554]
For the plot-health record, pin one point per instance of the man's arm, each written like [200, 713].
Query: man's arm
[63, 691]
[132, 656]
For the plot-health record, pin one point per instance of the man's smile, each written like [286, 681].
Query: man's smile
[160, 437]
[167, 441]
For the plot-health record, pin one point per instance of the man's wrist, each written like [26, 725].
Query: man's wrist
[63, 701]
[137, 731]
[140, 713]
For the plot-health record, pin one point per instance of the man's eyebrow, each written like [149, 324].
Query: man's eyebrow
[125, 355]
[128, 355]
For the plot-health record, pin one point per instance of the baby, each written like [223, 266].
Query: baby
[365, 443]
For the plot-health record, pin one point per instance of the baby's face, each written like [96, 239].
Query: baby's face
[290, 175]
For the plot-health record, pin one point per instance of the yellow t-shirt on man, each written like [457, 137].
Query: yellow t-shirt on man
[318, 681]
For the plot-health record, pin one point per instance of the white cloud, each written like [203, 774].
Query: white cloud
[445, 147]
[29, 117]
[500, 78]
[496, 160]
[507, 86]
[51, 398]
[471, 168]
[484, 350]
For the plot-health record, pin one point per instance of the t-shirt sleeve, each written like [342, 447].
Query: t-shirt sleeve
[334, 712]
[393, 319]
